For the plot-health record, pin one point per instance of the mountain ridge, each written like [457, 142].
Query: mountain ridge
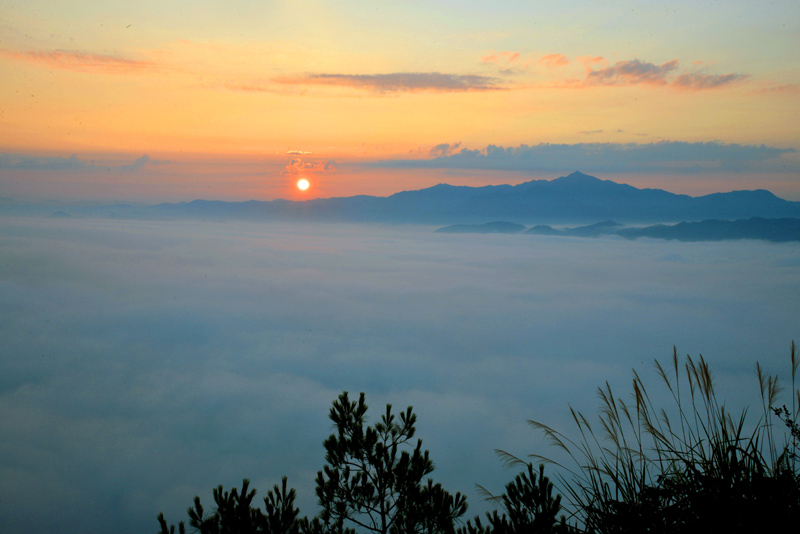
[574, 198]
[779, 230]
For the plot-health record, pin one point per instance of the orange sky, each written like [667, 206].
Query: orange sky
[235, 102]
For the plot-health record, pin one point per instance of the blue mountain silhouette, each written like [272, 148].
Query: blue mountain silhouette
[576, 198]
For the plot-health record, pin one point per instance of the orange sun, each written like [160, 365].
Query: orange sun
[303, 184]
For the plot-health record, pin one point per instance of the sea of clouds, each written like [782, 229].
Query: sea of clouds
[143, 363]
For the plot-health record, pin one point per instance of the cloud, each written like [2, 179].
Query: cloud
[80, 61]
[256, 86]
[631, 73]
[673, 156]
[444, 149]
[554, 60]
[15, 161]
[298, 166]
[695, 81]
[145, 363]
[636, 72]
[790, 89]
[402, 82]
[512, 66]
[501, 57]
[72, 163]
[588, 61]
[138, 164]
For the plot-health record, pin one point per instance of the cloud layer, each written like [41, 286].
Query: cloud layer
[671, 156]
[72, 163]
[79, 61]
[402, 82]
[636, 72]
[297, 166]
[554, 60]
[509, 64]
[631, 73]
[144, 362]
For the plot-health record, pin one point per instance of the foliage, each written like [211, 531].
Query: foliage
[234, 513]
[371, 483]
[700, 469]
[691, 467]
[528, 506]
[169, 529]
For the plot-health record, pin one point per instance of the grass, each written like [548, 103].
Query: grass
[641, 467]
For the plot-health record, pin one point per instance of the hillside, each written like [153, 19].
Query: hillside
[576, 198]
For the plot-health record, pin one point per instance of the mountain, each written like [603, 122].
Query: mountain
[543, 229]
[579, 197]
[568, 199]
[594, 230]
[776, 230]
[576, 198]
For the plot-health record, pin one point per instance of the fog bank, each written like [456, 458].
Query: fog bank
[144, 362]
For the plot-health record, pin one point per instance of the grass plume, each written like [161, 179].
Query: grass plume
[649, 468]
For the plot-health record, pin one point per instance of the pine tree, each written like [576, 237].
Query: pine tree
[372, 483]
[528, 506]
[234, 513]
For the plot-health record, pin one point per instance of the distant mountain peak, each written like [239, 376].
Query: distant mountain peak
[578, 178]
[578, 175]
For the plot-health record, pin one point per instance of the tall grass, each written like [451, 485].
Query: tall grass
[641, 467]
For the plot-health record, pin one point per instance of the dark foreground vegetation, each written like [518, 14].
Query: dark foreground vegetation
[688, 467]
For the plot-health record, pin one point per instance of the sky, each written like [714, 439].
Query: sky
[144, 363]
[152, 101]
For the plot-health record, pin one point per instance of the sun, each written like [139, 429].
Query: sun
[303, 184]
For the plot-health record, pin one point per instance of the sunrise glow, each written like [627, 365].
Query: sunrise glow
[226, 103]
[219, 217]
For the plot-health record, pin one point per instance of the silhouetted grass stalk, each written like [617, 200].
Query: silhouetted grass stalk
[638, 447]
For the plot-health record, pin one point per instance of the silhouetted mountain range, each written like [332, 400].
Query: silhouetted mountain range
[778, 230]
[569, 199]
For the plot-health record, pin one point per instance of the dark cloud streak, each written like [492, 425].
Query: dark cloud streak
[72, 163]
[631, 73]
[80, 61]
[297, 166]
[673, 156]
[402, 82]
[695, 81]
[636, 72]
